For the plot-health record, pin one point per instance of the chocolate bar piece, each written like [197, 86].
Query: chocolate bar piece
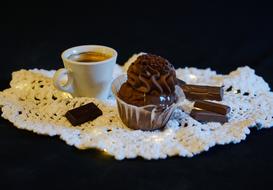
[213, 107]
[207, 116]
[180, 82]
[82, 114]
[197, 92]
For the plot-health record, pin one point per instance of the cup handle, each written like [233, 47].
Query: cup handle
[59, 74]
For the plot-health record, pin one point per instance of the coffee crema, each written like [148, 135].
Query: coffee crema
[89, 56]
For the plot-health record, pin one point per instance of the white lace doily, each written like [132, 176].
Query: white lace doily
[32, 103]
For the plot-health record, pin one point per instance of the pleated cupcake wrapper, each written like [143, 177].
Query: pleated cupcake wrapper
[147, 117]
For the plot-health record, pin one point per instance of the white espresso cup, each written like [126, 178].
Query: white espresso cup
[89, 79]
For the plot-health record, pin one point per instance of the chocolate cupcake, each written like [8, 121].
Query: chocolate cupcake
[147, 96]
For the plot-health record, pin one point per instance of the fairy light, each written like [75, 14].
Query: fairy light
[192, 77]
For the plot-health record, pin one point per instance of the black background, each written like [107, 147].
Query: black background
[222, 36]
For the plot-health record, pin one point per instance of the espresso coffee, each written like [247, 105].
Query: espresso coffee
[89, 56]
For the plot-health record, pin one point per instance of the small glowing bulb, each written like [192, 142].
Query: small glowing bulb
[193, 77]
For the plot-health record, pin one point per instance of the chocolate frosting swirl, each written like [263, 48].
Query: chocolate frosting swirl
[152, 74]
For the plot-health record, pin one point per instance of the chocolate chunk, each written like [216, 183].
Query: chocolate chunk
[207, 116]
[213, 107]
[82, 114]
[197, 92]
[180, 82]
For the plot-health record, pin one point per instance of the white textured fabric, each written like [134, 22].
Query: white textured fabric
[32, 103]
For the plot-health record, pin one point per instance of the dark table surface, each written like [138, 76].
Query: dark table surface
[35, 38]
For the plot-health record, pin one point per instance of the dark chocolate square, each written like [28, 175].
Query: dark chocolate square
[82, 114]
